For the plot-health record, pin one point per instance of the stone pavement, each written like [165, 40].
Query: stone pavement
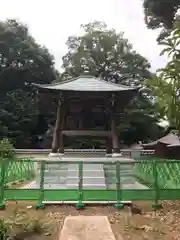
[86, 228]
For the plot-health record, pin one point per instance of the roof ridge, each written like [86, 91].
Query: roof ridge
[114, 84]
[56, 83]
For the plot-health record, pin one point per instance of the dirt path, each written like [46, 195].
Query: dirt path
[163, 224]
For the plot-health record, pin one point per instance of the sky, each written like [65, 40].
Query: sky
[51, 22]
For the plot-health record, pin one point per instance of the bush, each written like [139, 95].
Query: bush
[20, 226]
[3, 230]
[6, 149]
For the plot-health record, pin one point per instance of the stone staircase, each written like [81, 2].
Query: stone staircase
[126, 175]
[54, 177]
[93, 176]
[58, 176]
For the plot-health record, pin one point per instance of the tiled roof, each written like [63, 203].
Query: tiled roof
[169, 139]
[86, 83]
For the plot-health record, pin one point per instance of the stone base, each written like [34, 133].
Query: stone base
[116, 155]
[56, 154]
[108, 155]
[87, 227]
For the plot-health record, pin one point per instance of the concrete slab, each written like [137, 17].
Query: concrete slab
[86, 228]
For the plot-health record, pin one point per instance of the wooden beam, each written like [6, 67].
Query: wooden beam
[108, 145]
[86, 133]
[115, 137]
[57, 143]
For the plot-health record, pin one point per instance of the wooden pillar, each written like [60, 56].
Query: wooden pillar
[108, 146]
[115, 137]
[63, 117]
[57, 135]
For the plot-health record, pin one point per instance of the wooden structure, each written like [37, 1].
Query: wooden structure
[165, 147]
[83, 97]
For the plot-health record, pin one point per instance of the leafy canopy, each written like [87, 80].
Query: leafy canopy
[166, 86]
[22, 61]
[161, 14]
[105, 53]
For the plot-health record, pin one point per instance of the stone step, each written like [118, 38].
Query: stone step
[122, 182]
[55, 186]
[92, 181]
[121, 174]
[87, 186]
[86, 174]
[86, 167]
[91, 178]
[51, 181]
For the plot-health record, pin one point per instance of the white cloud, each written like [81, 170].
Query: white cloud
[51, 22]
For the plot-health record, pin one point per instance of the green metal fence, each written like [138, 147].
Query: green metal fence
[17, 170]
[168, 172]
[161, 177]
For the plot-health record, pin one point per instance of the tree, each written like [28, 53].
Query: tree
[161, 14]
[22, 61]
[107, 54]
[140, 122]
[166, 86]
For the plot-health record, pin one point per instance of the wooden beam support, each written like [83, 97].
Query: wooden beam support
[115, 137]
[108, 146]
[95, 133]
[57, 143]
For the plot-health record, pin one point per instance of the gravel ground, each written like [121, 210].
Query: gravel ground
[163, 224]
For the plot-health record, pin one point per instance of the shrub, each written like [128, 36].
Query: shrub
[6, 149]
[3, 230]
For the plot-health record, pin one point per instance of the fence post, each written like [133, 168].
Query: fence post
[2, 181]
[80, 204]
[118, 205]
[156, 204]
[40, 204]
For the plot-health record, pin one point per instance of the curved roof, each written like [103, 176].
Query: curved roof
[170, 139]
[86, 83]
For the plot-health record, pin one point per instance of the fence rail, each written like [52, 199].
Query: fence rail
[161, 179]
[125, 152]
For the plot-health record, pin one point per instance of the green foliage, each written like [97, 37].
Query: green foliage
[140, 122]
[18, 116]
[161, 14]
[21, 225]
[166, 85]
[6, 149]
[3, 230]
[22, 61]
[105, 53]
